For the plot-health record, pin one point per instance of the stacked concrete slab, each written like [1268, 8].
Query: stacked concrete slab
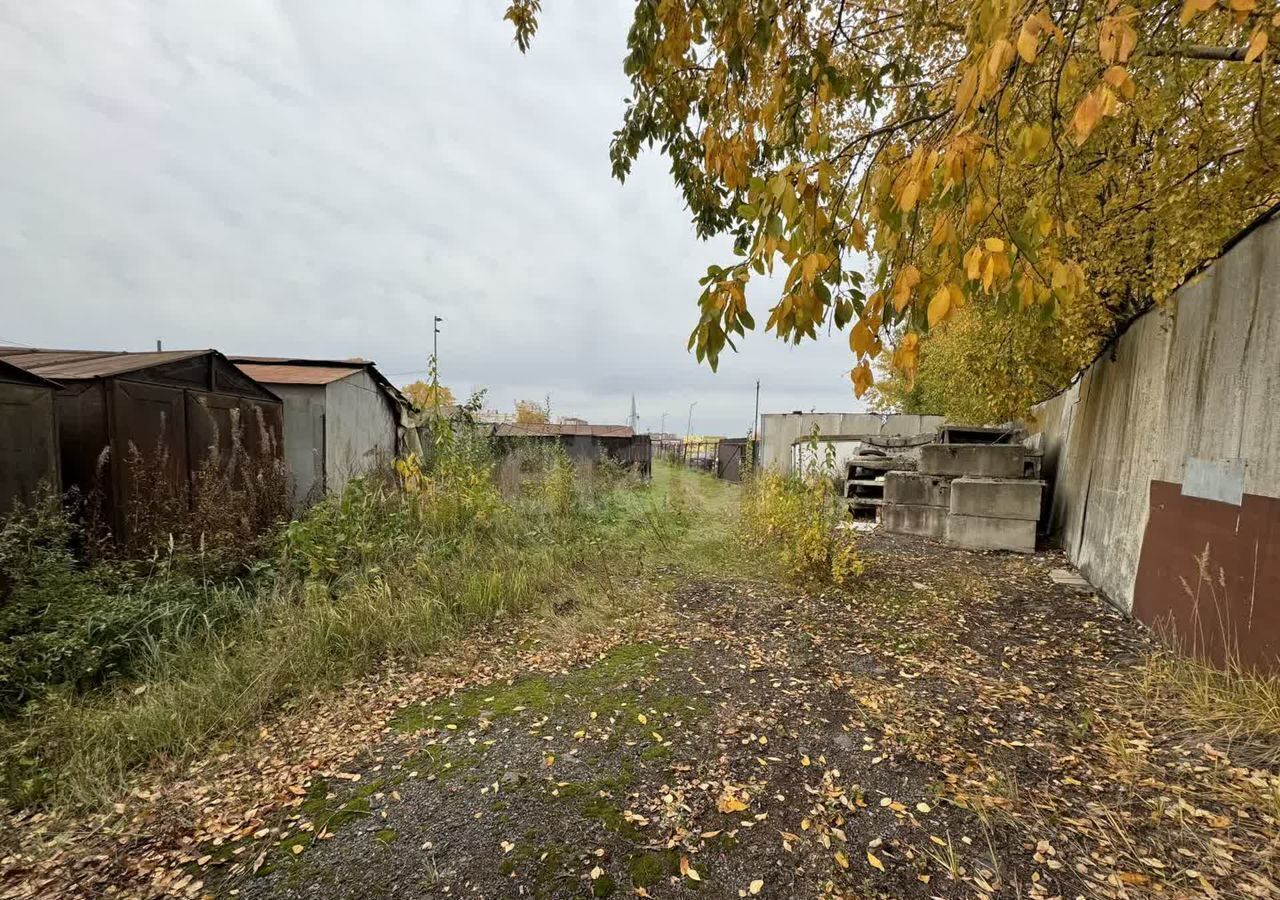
[968, 495]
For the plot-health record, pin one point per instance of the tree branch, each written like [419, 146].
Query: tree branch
[1202, 51]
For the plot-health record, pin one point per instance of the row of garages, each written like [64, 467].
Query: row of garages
[73, 418]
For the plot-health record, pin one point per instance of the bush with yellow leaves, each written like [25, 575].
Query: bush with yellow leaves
[799, 516]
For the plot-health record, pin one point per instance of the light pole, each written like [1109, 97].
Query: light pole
[435, 348]
[662, 429]
[755, 419]
[688, 428]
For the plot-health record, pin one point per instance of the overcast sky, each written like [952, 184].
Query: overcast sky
[319, 177]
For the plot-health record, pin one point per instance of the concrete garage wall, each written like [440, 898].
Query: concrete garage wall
[1167, 449]
[360, 428]
[778, 431]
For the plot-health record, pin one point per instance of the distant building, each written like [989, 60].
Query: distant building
[584, 443]
[779, 432]
[341, 418]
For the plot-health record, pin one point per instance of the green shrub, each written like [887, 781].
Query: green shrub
[72, 627]
[799, 516]
[110, 664]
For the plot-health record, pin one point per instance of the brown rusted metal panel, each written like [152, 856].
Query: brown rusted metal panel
[730, 459]
[148, 424]
[285, 374]
[79, 364]
[213, 420]
[83, 440]
[1209, 575]
[264, 428]
[28, 442]
[110, 403]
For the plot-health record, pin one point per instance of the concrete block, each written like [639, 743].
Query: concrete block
[997, 498]
[987, 533]
[925, 521]
[916, 489]
[981, 460]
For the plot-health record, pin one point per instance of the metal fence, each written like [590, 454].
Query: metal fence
[725, 458]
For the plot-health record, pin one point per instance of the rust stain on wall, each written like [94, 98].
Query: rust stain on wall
[1209, 575]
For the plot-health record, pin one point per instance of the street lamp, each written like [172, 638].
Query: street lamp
[688, 428]
[435, 355]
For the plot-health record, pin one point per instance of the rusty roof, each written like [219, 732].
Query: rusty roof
[15, 375]
[291, 370]
[78, 364]
[284, 374]
[546, 429]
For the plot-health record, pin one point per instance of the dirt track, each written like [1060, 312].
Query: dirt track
[945, 731]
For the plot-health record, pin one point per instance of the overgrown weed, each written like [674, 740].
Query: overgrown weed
[400, 564]
[801, 518]
[1236, 708]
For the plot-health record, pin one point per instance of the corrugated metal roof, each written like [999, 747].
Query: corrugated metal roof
[544, 429]
[357, 361]
[268, 373]
[73, 364]
[291, 370]
[15, 375]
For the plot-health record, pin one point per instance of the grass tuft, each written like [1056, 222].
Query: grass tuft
[1233, 707]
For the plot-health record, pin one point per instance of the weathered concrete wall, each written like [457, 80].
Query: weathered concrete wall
[360, 429]
[778, 431]
[303, 438]
[1186, 410]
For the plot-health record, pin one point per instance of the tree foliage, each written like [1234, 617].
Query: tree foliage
[896, 163]
[424, 395]
[531, 412]
[983, 368]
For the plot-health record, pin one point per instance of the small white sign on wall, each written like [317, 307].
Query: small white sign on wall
[1214, 479]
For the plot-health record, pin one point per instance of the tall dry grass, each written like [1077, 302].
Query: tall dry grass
[400, 564]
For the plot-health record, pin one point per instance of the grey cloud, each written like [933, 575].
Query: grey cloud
[317, 177]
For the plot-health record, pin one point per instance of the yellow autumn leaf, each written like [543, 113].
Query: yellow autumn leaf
[1027, 44]
[994, 245]
[907, 279]
[809, 268]
[973, 264]
[1257, 44]
[910, 194]
[939, 306]
[756, 886]
[858, 235]
[729, 802]
[860, 338]
[1192, 7]
[1086, 117]
[842, 859]
[968, 86]
[871, 858]
[862, 379]
[1118, 78]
